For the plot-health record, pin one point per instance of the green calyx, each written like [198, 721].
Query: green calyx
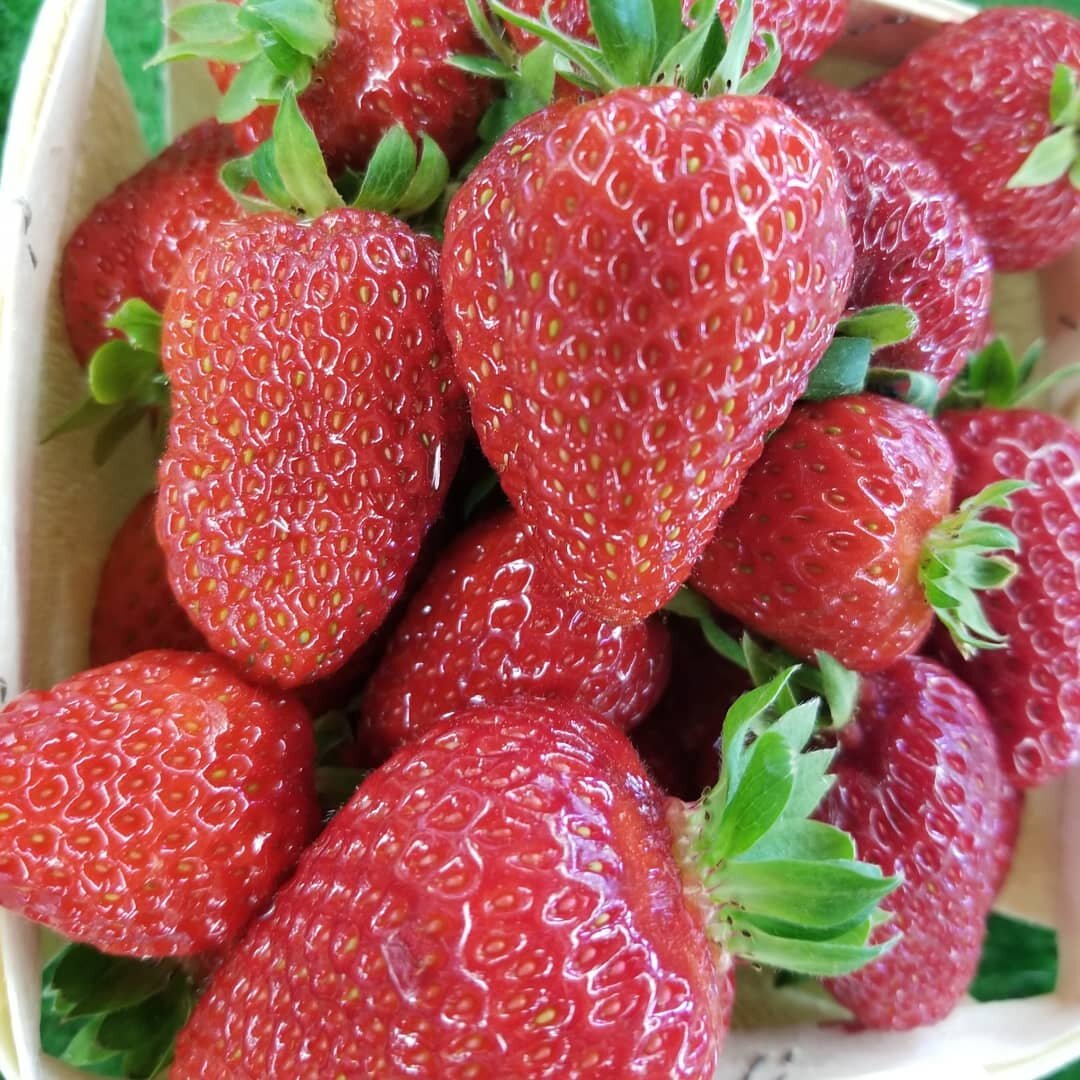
[847, 366]
[335, 783]
[827, 679]
[960, 558]
[642, 43]
[996, 378]
[786, 891]
[290, 171]
[125, 383]
[1058, 154]
[274, 43]
[112, 1015]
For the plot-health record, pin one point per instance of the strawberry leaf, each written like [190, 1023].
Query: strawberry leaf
[112, 1016]
[1059, 152]
[916, 388]
[841, 371]
[785, 890]
[275, 43]
[997, 378]
[882, 324]
[626, 30]
[960, 557]
[125, 383]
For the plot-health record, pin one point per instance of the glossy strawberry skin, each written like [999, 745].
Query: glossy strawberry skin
[914, 242]
[821, 549]
[1032, 687]
[975, 100]
[921, 791]
[315, 428]
[389, 64]
[623, 377]
[129, 245]
[804, 28]
[500, 898]
[486, 627]
[135, 609]
[151, 807]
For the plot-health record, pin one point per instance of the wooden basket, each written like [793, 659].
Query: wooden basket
[73, 137]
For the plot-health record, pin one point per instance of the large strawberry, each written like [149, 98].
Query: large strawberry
[363, 66]
[315, 428]
[152, 806]
[1032, 686]
[511, 895]
[993, 102]
[921, 790]
[914, 243]
[131, 242]
[486, 627]
[660, 276]
[840, 539]
[803, 29]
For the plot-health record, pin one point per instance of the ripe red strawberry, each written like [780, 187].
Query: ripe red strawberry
[131, 242]
[315, 428]
[976, 99]
[151, 807]
[920, 788]
[363, 66]
[914, 243]
[135, 609]
[626, 343]
[837, 536]
[1031, 687]
[485, 627]
[508, 888]
[803, 28]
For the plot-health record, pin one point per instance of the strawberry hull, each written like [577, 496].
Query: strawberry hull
[51, 550]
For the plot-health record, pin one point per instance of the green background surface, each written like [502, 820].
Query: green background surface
[134, 28]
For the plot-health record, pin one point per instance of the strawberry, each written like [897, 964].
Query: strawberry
[914, 243]
[837, 541]
[804, 28]
[135, 609]
[151, 807]
[920, 788]
[993, 103]
[486, 627]
[511, 887]
[314, 430]
[613, 330]
[363, 66]
[130, 243]
[315, 422]
[1032, 686]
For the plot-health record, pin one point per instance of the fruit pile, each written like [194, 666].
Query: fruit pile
[598, 544]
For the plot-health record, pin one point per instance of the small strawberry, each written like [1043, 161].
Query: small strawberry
[486, 627]
[804, 29]
[840, 541]
[131, 242]
[1031, 687]
[914, 243]
[135, 609]
[920, 788]
[994, 103]
[151, 807]
[642, 306]
[512, 888]
[363, 66]
[315, 424]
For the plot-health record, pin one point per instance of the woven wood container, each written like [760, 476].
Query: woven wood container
[73, 137]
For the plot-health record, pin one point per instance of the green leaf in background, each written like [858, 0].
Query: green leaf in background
[112, 1016]
[1019, 959]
